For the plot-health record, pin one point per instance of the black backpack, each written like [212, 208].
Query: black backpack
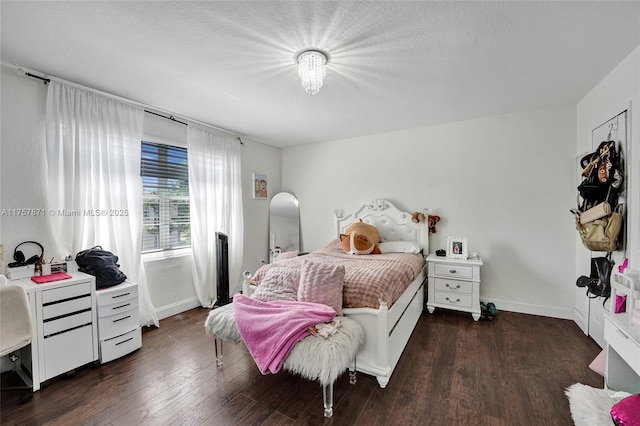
[602, 176]
[102, 264]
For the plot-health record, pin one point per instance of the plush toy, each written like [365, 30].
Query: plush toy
[431, 222]
[360, 238]
[417, 217]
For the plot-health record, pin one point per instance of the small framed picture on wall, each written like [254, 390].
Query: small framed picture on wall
[457, 247]
[260, 186]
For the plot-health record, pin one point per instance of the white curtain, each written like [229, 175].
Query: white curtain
[94, 183]
[215, 193]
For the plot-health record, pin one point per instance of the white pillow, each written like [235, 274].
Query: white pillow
[399, 247]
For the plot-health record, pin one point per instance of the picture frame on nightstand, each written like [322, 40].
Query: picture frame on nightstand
[457, 248]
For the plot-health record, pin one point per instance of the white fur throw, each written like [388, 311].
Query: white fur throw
[314, 357]
[591, 406]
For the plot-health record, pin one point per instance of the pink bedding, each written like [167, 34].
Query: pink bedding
[366, 276]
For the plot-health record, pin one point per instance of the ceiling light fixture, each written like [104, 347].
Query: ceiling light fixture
[312, 70]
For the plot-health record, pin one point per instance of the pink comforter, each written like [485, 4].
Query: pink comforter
[270, 329]
[366, 276]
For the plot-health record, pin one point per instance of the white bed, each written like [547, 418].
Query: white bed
[387, 330]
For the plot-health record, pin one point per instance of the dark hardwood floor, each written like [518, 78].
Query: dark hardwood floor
[509, 371]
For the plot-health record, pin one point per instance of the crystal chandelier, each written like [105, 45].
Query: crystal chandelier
[311, 69]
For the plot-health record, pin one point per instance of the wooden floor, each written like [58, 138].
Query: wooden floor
[509, 371]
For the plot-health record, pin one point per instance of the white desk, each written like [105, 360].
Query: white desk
[623, 338]
[65, 326]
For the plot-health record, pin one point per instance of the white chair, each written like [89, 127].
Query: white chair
[16, 329]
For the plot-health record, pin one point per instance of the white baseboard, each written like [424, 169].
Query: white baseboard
[532, 309]
[177, 308]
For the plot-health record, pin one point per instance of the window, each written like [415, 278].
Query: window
[165, 186]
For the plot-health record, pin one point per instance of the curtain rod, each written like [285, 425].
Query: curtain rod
[22, 71]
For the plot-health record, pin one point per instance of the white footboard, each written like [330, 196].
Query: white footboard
[387, 331]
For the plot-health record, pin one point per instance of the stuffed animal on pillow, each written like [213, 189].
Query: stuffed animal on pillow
[360, 238]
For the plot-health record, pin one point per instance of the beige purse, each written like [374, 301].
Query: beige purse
[601, 234]
[596, 212]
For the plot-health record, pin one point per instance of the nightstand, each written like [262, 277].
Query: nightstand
[454, 284]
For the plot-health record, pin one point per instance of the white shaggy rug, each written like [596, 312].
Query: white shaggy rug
[314, 358]
[591, 406]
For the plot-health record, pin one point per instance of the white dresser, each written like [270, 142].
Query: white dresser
[454, 284]
[623, 337]
[118, 321]
[64, 317]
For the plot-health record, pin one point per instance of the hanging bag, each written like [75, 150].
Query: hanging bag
[601, 268]
[601, 234]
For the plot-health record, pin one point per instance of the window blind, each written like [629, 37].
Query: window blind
[165, 183]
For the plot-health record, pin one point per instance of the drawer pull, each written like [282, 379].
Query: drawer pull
[122, 319]
[452, 301]
[452, 271]
[121, 306]
[622, 334]
[120, 295]
[124, 341]
[452, 288]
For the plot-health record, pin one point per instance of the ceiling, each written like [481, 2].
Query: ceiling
[393, 64]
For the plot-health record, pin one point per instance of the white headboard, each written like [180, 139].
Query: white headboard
[392, 224]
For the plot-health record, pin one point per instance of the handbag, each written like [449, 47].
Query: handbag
[601, 268]
[601, 210]
[601, 234]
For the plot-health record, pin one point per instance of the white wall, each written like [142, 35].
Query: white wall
[23, 184]
[618, 91]
[504, 182]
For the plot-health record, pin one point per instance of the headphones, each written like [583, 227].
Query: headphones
[20, 259]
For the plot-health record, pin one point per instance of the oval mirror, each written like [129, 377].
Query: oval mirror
[284, 224]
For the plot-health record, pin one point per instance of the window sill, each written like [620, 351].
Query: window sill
[166, 254]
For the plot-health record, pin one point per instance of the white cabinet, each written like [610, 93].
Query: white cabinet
[64, 317]
[118, 321]
[454, 284]
[623, 336]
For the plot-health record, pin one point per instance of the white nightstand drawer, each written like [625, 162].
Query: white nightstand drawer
[66, 323]
[66, 307]
[454, 299]
[121, 345]
[623, 344]
[118, 324]
[66, 292]
[457, 271]
[443, 284]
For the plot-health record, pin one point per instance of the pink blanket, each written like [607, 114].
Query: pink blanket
[270, 329]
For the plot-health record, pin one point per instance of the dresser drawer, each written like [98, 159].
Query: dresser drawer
[623, 345]
[66, 323]
[121, 345]
[118, 294]
[69, 306]
[66, 351]
[454, 271]
[443, 284]
[67, 292]
[459, 300]
[117, 324]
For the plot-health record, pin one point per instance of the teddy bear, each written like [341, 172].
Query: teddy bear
[431, 222]
[360, 238]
